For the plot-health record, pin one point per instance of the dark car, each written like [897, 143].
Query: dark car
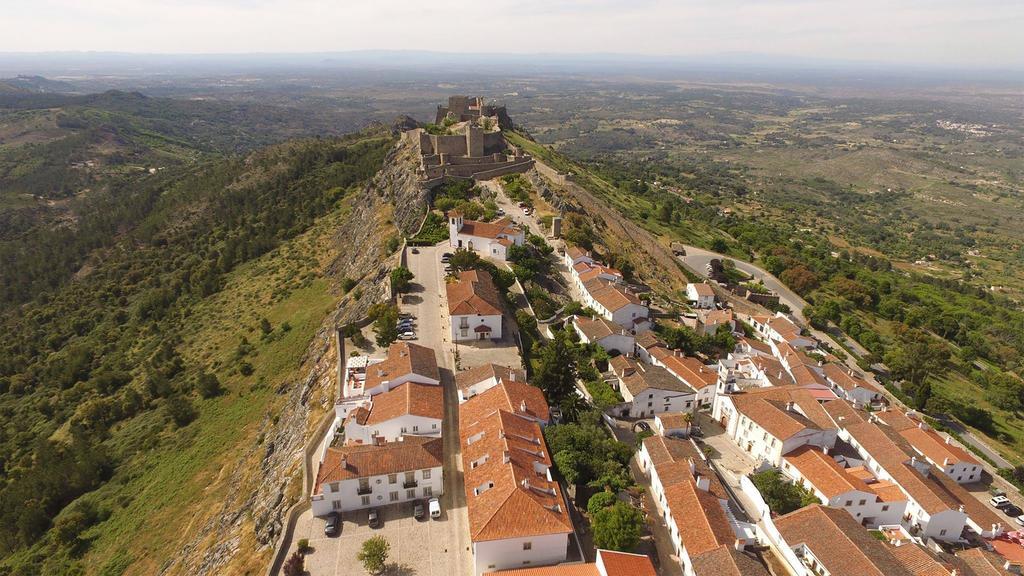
[374, 519]
[419, 510]
[332, 524]
[415, 250]
[1012, 511]
[696, 432]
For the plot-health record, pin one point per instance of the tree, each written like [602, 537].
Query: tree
[464, 259]
[265, 326]
[295, 565]
[599, 501]
[181, 410]
[781, 496]
[401, 278]
[800, 278]
[385, 327]
[374, 554]
[916, 355]
[556, 372]
[617, 527]
[208, 385]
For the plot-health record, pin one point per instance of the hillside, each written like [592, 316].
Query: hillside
[153, 406]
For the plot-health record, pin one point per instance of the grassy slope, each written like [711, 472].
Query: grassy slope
[173, 487]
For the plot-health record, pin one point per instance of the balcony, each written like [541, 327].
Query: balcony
[410, 484]
[364, 490]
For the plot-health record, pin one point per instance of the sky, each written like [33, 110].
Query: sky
[970, 33]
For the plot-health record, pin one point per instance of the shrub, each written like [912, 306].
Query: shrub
[303, 546]
[374, 554]
[295, 565]
[617, 527]
[208, 385]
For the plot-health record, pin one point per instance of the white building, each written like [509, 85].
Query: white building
[517, 514]
[488, 239]
[408, 409]
[608, 335]
[871, 504]
[769, 422]
[700, 295]
[954, 461]
[616, 304]
[474, 307]
[575, 255]
[781, 329]
[673, 423]
[651, 390]
[365, 475]
[698, 376]
[484, 377]
[852, 388]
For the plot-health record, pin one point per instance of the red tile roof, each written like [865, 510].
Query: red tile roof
[365, 460]
[411, 398]
[511, 396]
[727, 561]
[478, 374]
[935, 448]
[768, 408]
[823, 472]
[691, 371]
[699, 517]
[474, 293]
[403, 359]
[840, 376]
[597, 329]
[703, 289]
[501, 227]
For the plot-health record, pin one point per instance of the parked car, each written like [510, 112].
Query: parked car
[332, 524]
[409, 335]
[406, 316]
[696, 432]
[1012, 511]
[373, 518]
[499, 212]
[434, 505]
[999, 501]
[406, 324]
[419, 510]
[446, 257]
[1019, 520]
[415, 250]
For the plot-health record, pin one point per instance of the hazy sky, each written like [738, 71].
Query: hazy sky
[987, 33]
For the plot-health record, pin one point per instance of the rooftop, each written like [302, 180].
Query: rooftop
[842, 377]
[474, 293]
[783, 410]
[727, 561]
[403, 359]
[691, 370]
[648, 376]
[500, 228]
[935, 448]
[478, 374]
[365, 460]
[597, 329]
[702, 289]
[410, 398]
[823, 472]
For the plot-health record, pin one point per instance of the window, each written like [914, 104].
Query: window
[393, 496]
[392, 478]
[885, 508]
[334, 486]
[527, 545]
[434, 426]
[366, 500]
[415, 428]
[849, 502]
[942, 532]
[428, 491]
[410, 493]
[425, 474]
[336, 505]
[861, 503]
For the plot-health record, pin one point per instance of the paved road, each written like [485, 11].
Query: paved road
[429, 307]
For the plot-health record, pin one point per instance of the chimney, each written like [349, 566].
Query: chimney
[824, 450]
[522, 406]
[703, 483]
[949, 439]
[789, 406]
[961, 508]
[913, 460]
[506, 456]
[920, 425]
[739, 544]
[511, 375]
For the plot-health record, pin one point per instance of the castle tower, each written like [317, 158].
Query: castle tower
[474, 141]
[454, 225]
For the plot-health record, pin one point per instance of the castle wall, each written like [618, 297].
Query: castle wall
[453, 145]
[475, 141]
[493, 142]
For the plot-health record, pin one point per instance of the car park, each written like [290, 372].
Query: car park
[332, 524]
[374, 519]
[419, 510]
[434, 505]
[999, 501]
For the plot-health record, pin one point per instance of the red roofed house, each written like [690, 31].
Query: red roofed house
[700, 295]
[474, 306]
[606, 334]
[484, 377]
[517, 513]
[363, 475]
[851, 387]
[408, 409]
[953, 460]
[781, 329]
[489, 239]
[406, 362]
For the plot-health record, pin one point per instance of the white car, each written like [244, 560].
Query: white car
[999, 501]
[1019, 520]
[434, 507]
[410, 335]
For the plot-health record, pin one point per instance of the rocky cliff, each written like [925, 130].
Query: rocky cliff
[239, 537]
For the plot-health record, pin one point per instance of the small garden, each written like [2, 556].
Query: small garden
[781, 495]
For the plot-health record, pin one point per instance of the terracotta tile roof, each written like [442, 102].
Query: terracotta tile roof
[978, 512]
[673, 420]
[613, 297]
[773, 369]
[757, 345]
[595, 271]
[888, 491]
[839, 542]
[823, 472]
[365, 460]
[861, 472]
[510, 396]
[893, 454]
[493, 230]
[474, 293]
[717, 317]
[674, 456]
[896, 419]
[699, 518]
[476, 375]
[784, 326]
[649, 339]
[608, 563]
[801, 367]
[982, 562]
[403, 359]
[839, 376]
[597, 329]
[935, 448]
[575, 252]
[505, 495]
[410, 398]
[648, 376]
[727, 561]
[918, 561]
[691, 370]
[768, 408]
[842, 413]
[622, 365]
[702, 289]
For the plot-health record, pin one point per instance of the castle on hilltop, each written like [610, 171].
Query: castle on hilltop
[466, 141]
